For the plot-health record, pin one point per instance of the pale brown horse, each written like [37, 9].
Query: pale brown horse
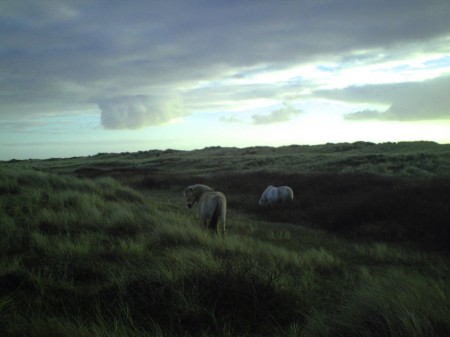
[212, 205]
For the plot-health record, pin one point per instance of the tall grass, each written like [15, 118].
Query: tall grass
[93, 257]
[394, 303]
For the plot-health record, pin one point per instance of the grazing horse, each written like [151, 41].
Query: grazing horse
[276, 195]
[212, 205]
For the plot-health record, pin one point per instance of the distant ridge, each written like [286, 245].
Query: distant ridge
[419, 158]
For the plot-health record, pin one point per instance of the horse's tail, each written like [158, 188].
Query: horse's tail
[219, 211]
[215, 215]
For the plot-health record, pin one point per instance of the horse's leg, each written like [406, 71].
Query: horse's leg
[213, 226]
[209, 226]
[222, 223]
[205, 223]
[222, 218]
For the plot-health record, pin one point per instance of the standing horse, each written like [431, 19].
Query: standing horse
[276, 195]
[212, 205]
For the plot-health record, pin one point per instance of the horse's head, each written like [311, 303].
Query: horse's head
[193, 193]
[190, 197]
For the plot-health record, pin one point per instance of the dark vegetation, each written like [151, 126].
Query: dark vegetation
[102, 245]
[360, 205]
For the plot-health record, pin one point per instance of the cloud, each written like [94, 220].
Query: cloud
[230, 119]
[284, 114]
[133, 112]
[427, 100]
[69, 55]
[364, 115]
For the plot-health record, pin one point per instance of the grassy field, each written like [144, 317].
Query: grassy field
[104, 246]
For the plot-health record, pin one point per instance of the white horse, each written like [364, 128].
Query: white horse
[276, 195]
[211, 205]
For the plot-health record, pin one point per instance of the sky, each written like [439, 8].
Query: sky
[84, 77]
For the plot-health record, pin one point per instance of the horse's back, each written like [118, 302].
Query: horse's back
[198, 189]
[273, 195]
[210, 201]
[286, 193]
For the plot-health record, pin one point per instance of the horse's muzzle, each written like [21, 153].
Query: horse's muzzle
[189, 205]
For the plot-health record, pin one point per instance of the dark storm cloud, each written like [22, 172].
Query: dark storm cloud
[62, 55]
